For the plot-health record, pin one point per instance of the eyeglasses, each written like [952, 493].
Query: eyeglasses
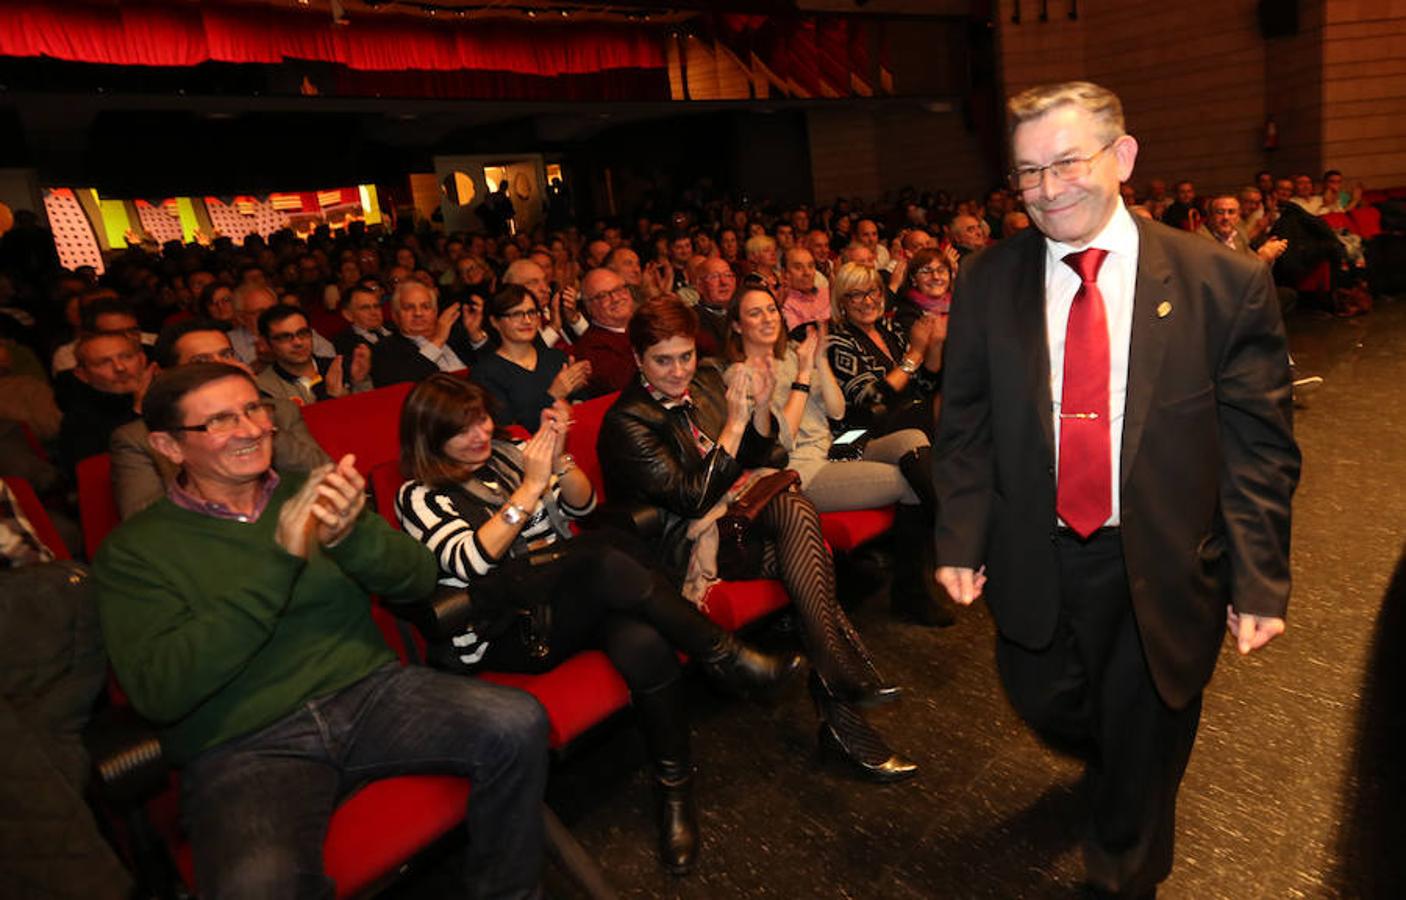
[301, 334]
[621, 291]
[521, 315]
[260, 413]
[931, 271]
[1070, 169]
[870, 297]
[226, 355]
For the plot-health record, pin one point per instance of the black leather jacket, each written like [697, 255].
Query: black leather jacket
[648, 457]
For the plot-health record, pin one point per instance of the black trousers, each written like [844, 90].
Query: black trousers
[1090, 693]
[603, 597]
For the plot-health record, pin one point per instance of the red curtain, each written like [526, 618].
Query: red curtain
[164, 35]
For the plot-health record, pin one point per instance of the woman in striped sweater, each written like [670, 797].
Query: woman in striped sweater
[497, 516]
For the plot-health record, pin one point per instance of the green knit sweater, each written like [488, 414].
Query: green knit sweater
[215, 631]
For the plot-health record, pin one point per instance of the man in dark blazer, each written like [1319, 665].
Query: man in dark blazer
[427, 339]
[1114, 469]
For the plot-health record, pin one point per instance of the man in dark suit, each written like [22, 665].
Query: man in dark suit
[361, 307]
[428, 339]
[1114, 469]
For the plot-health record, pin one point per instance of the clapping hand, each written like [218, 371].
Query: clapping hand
[325, 508]
[538, 459]
[336, 382]
[571, 378]
[739, 389]
[471, 314]
[445, 324]
[808, 349]
[557, 419]
[570, 298]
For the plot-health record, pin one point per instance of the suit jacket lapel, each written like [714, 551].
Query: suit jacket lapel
[1029, 301]
[1149, 339]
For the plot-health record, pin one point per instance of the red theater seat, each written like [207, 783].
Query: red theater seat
[1367, 220]
[97, 507]
[579, 694]
[846, 530]
[366, 424]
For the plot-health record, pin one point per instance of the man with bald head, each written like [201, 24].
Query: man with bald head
[562, 322]
[427, 340]
[716, 285]
[866, 233]
[605, 344]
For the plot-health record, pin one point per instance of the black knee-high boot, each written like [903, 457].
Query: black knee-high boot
[915, 594]
[729, 661]
[664, 721]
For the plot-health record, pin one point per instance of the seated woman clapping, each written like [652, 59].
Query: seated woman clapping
[890, 373]
[893, 468]
[496, 514]
[678, 440]
[524, 375]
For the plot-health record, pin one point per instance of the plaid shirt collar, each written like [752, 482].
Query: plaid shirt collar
[182, 497]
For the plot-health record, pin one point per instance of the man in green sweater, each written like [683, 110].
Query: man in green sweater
[237, 618]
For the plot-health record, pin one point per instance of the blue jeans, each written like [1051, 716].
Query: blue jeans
[257, 807]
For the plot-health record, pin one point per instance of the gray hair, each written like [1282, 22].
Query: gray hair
[399, 293]
[1097, 101]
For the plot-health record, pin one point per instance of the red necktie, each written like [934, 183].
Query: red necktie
[1085, 496]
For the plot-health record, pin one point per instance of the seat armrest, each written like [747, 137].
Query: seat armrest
[440, 617]
[642, 520]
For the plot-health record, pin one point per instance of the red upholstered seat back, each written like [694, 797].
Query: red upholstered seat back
[367, 425]
[586, 419]
[38, 516]
[97, 507]
[1368, 221]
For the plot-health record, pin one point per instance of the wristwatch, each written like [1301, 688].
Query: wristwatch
[513, 514]
[908, 366]
[565, 463]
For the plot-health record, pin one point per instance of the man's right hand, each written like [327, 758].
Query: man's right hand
[445, 324]
[963, 585]
[295, 521]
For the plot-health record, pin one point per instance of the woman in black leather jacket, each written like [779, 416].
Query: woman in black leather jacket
[677, 439]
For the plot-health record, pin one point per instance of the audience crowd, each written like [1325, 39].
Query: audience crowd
[742, 340]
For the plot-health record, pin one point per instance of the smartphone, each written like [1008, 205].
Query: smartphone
[849, 437]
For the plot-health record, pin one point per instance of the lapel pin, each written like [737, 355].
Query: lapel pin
[1164, 309]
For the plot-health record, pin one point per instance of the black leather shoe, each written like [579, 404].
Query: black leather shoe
[845, 735]
[870, 760]
[743, 669]
[678, 822]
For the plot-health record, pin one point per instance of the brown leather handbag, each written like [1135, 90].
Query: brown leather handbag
[740, 544]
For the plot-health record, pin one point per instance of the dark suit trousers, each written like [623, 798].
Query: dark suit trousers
[1090, 693]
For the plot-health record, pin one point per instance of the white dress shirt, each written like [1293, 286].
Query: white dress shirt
[1117, 281]
[441, 355]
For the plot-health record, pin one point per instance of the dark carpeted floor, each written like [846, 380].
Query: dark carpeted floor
[1294, 790]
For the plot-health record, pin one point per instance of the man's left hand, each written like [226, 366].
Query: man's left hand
[1252, 632]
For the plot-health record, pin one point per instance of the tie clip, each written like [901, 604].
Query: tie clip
[1065, 415]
